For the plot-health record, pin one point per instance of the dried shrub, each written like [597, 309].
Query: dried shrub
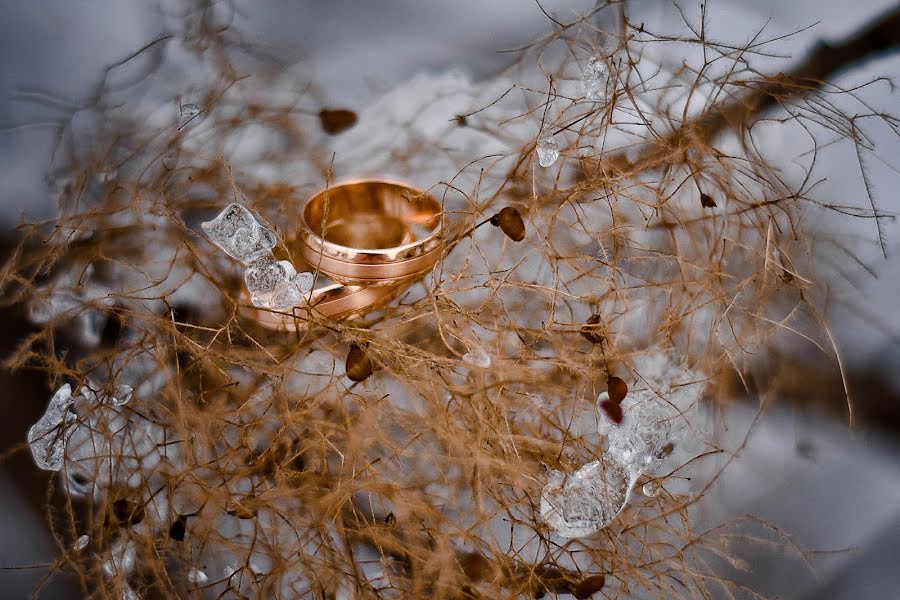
[244, 464]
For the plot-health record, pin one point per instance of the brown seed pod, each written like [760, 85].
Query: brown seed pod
[613, 410]
[358, 366]
[243, 509]
[617, 388]
[510, 222]
[706, 201]
[589, 586]
[590, 332]
[178, 528]
[336, 120]
[475, 566]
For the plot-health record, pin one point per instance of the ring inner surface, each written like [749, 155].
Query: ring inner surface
[368, 230]
[370, 215]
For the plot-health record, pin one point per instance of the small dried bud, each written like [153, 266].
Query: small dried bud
[613, 411]
[461, 120]
[589, 586]
[241, 511]
[510, 222]
[127, 511]
[617, 388]
[475, 566]
[590, 332]
[359, 366]
[336, 120]
[178, 529]
[706, 201]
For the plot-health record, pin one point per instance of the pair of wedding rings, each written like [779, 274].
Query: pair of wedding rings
[373, 238]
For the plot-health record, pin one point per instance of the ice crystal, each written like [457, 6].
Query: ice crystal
[122, 395]
[547, 151]
[275, 284]
[47, 438]
[190, 110]
[236, 231]
[264, 275]
[477, 357]
[82, 542]
[651, 488]
[594, 79]
[197, 577]
[127, 593]
[584, 502]
[651, 427]
[123, 555]
[70, 298]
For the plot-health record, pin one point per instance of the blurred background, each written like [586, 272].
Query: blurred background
[832, 488]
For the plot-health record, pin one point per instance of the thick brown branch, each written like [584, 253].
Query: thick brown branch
[878, 38]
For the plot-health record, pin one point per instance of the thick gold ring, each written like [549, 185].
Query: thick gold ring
[371, 232]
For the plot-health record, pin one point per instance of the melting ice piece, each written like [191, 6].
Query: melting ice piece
[275, 284]
[264, 275]
[48, 436]
[477, 357]
[651, 488]
[594, 78]
[236, 231]
[190, 110]
[81, 543]
[547, 151]
[127, 593]
[584, 502]
[197, 577]
[123, 555]
[651, 428]
[122, 395]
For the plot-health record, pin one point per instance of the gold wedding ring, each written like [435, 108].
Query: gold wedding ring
[373, 237]
[371, 232]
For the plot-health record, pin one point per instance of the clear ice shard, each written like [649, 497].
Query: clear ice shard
[650, 429]
[82, 542]
[122, 395]
[584, 502]
[477, 357]
[190, 110]
[651, 488]
[197, 577]
[236, 231]
[264, 275]
[275, 284]
[656, 422]
[47, 438]
[594, 79]
[122, 558]
[547, 151]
